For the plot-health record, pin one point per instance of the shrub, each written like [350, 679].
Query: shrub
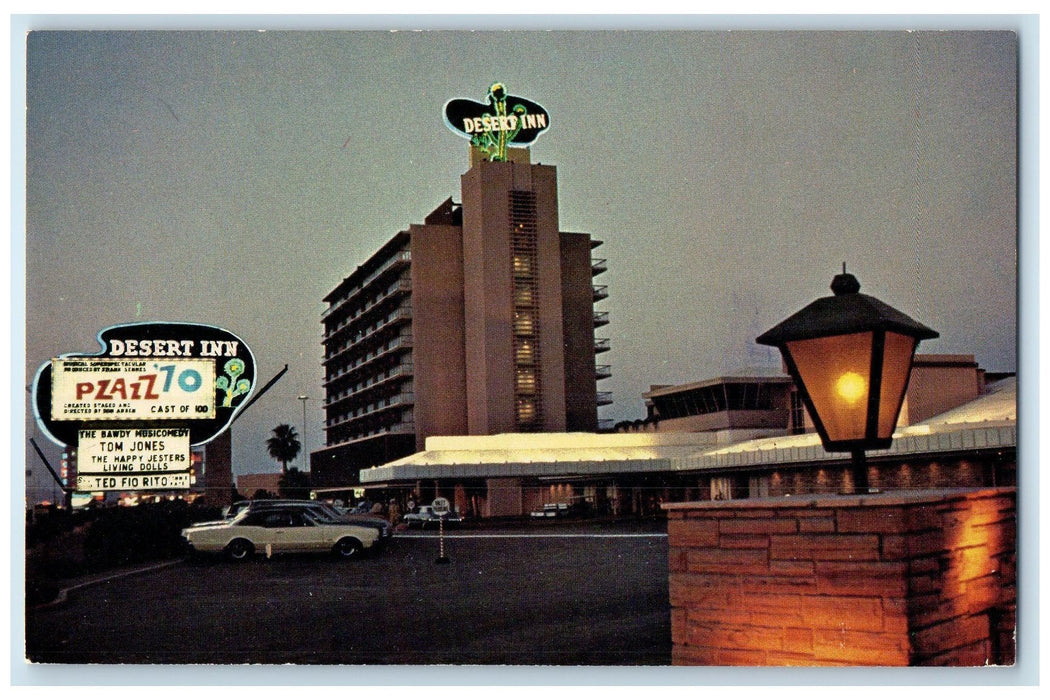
[147, 532]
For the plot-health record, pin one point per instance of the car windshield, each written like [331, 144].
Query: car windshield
[322, 516]
[315, 518]
[236, 509]
[328, 510]
[238, 517]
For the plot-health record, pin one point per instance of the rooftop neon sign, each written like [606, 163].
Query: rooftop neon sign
[505, 120]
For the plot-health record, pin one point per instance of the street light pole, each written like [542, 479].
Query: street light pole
[306, 455]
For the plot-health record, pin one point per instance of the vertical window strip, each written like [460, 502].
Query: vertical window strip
[523, 243]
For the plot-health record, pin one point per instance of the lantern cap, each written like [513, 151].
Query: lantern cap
[845, 284]
[848, 311]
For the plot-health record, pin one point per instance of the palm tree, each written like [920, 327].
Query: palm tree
[284, 445]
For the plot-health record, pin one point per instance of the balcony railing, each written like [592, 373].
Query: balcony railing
[598, 266]
[401, 258]
[400, 287]
[602, 345]
[372, 356]
[601, 291]
[601, 318]
[605, 398]
[398, 342]
[404, 427]
[603, 371]
[395, 402]
[400, 373]
[403, 314]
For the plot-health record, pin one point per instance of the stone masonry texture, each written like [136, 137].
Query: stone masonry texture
[924, 578]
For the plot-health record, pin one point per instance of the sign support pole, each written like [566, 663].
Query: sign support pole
[66, 492]
[442, 559]
[259, 395]
[441, 508]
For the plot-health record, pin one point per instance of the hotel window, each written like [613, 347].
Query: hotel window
[523, 244]
[798, 414]
[758, 487]
[524, 323]
[526, 381]
[526, 411]
[523, 353]
[523, 295]
[522, 266]
[721, 488]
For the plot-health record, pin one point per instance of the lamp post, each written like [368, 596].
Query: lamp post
[851, 357]
[306, 455]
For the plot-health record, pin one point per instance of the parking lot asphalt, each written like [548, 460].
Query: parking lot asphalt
[518, 593]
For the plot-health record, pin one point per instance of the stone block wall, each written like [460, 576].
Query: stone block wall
[923, 578]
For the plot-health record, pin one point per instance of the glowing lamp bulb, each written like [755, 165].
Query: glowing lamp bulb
[851, 387]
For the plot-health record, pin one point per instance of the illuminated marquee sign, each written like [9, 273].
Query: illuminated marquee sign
[505, 120]
[133, 482]
[133, 450]
[123, 388]
[147, 375]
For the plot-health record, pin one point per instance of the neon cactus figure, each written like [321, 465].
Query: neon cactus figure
[491, 126]
[494, 143]
[232, 387]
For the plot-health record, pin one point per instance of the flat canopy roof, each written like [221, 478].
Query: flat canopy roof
[541, 454]
[989, 422]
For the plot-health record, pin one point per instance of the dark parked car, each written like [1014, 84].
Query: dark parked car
[424, 517]
[578, 509]
[551, 510]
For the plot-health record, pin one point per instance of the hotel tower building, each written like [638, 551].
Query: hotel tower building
[480, 321]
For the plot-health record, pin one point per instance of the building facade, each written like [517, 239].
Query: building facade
[764, 399]
[728, 438]
[745, 405]
[248, 485]
[479, 321]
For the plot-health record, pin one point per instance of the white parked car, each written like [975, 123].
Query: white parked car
[320, 510]
[279, 531]
[551, 510]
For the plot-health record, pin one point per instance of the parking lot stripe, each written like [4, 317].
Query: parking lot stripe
[530, 535]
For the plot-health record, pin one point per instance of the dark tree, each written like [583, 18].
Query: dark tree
[294, 484]
[283, 445]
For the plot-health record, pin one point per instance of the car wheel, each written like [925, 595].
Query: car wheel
[239, 550]
[347, 548]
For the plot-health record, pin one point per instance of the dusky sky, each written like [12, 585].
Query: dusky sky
[235, 177]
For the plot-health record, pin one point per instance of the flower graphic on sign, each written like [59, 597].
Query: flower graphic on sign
[230, 386]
